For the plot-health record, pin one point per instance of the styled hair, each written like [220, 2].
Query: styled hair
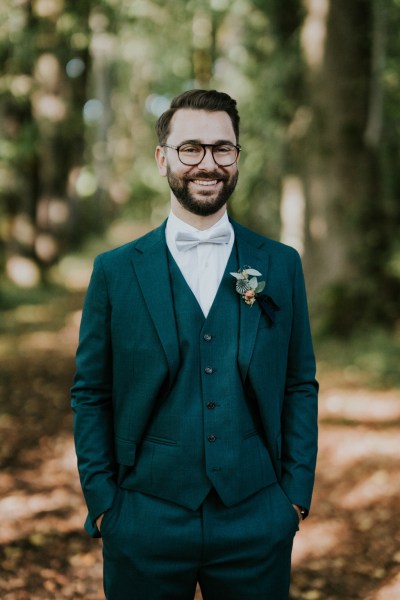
[209, 100]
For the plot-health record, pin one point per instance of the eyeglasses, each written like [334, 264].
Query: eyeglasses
[190, 154]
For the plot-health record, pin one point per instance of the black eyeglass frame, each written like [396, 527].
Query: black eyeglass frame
[237, 147]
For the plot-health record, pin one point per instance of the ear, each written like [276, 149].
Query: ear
[161, 161]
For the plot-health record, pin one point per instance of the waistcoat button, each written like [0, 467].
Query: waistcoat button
[211, 438]
[208, 370]
[207, 337]
[211, 405]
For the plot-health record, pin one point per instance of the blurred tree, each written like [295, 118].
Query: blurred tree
[335, 142]
[44, 54]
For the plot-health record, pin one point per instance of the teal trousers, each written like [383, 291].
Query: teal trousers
[157, 550]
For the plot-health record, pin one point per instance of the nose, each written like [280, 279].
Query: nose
[207, 162]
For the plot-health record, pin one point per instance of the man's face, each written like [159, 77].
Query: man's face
[205, 188]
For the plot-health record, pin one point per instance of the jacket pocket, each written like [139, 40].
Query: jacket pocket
[155, 439]
[125, 452]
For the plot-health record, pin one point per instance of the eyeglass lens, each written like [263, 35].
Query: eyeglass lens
[192, 154]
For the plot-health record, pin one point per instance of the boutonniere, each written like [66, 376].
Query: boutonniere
[249, 288]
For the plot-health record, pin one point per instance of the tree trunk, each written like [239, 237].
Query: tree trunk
[331, 149]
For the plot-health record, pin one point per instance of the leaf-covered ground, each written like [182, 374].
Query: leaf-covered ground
[348, 549]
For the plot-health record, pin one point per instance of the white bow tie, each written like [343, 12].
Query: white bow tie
[185, 240]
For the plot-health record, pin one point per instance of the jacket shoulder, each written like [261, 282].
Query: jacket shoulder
[271, 246]
[124, 252]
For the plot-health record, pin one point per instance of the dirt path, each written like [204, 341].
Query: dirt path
[348, 549]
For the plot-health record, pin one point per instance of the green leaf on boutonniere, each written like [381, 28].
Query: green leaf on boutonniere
[253, 283]
[252, 272]
[260, 287]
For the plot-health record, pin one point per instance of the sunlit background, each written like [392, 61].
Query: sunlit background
[318, 87]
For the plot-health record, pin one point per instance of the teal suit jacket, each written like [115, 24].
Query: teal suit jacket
[128, 356]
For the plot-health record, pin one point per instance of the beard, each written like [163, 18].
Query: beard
[208, 204]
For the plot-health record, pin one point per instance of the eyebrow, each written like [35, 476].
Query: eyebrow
[216, 143]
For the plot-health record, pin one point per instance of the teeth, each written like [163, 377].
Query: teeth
[206, 181]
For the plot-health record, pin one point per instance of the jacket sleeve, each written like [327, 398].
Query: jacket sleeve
[92, 401]
[300, 407]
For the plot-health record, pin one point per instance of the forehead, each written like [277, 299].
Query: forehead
[202, 125]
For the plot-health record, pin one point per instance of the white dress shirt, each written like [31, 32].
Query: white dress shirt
[204, 265]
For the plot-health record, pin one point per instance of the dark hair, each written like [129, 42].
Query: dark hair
[209, 100]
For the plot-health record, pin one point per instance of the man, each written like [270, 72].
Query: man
[195, 396]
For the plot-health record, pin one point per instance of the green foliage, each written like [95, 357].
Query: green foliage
[369, 357]
[12, 297]
[347, 308]
[41, 122]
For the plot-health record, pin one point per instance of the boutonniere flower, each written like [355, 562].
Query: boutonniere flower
[249, 288]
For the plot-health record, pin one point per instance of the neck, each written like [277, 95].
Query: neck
[197, 221]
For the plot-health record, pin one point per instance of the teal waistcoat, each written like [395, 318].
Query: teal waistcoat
[206, 432]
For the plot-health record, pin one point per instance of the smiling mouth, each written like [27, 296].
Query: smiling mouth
[205, 182]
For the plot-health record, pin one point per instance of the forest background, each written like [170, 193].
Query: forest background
[318, 88]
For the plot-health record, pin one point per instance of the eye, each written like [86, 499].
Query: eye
[224, 149]
[190, 149]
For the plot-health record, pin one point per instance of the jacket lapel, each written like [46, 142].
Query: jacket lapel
[251, 253]
[151, 267]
